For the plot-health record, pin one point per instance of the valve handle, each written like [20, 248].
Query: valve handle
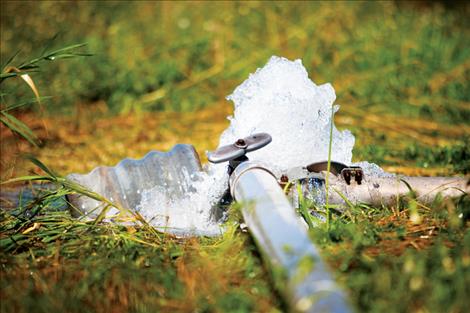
[239, 148]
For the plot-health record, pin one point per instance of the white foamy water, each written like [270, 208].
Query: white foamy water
[281, 100]
[278, 99]
[191, 214]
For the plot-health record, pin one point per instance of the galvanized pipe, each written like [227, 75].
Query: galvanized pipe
[283, 239]
[387, 191]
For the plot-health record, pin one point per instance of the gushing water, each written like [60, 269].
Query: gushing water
[278, 99]
[281, 100]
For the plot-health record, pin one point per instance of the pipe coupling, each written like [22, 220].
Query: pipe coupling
[242, 169]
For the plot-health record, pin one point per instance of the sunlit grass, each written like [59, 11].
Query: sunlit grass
[401, 76]
[391, 262]
[66, 265]
[403, 59]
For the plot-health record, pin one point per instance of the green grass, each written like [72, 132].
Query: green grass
[407, 59]
[401, 75]
[52, 262]
[384, 259]
[455, 156]
[389, 263]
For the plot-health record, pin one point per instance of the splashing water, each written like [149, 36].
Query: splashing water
[281, 100]
[278, 99]
[191, 215]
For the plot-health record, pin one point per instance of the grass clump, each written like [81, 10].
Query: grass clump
[23, 71]
[390, 261]
[54, 262]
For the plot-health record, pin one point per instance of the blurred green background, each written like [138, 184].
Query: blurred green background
[398, 57]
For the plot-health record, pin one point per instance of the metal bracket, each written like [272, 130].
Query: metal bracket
[355, 172]
[315, 170]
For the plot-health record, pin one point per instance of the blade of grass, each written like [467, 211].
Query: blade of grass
[24, 103]
[26, 179]
[4, 76]
[56, 54]
[11, 59]
[41, 165]
[49, 43]
[18, 127]
[327, 207]
[26, 78]
[303, 207]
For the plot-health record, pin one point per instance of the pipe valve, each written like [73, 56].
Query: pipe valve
[236, 152]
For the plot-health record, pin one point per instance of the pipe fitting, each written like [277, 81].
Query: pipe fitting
[242, 169]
